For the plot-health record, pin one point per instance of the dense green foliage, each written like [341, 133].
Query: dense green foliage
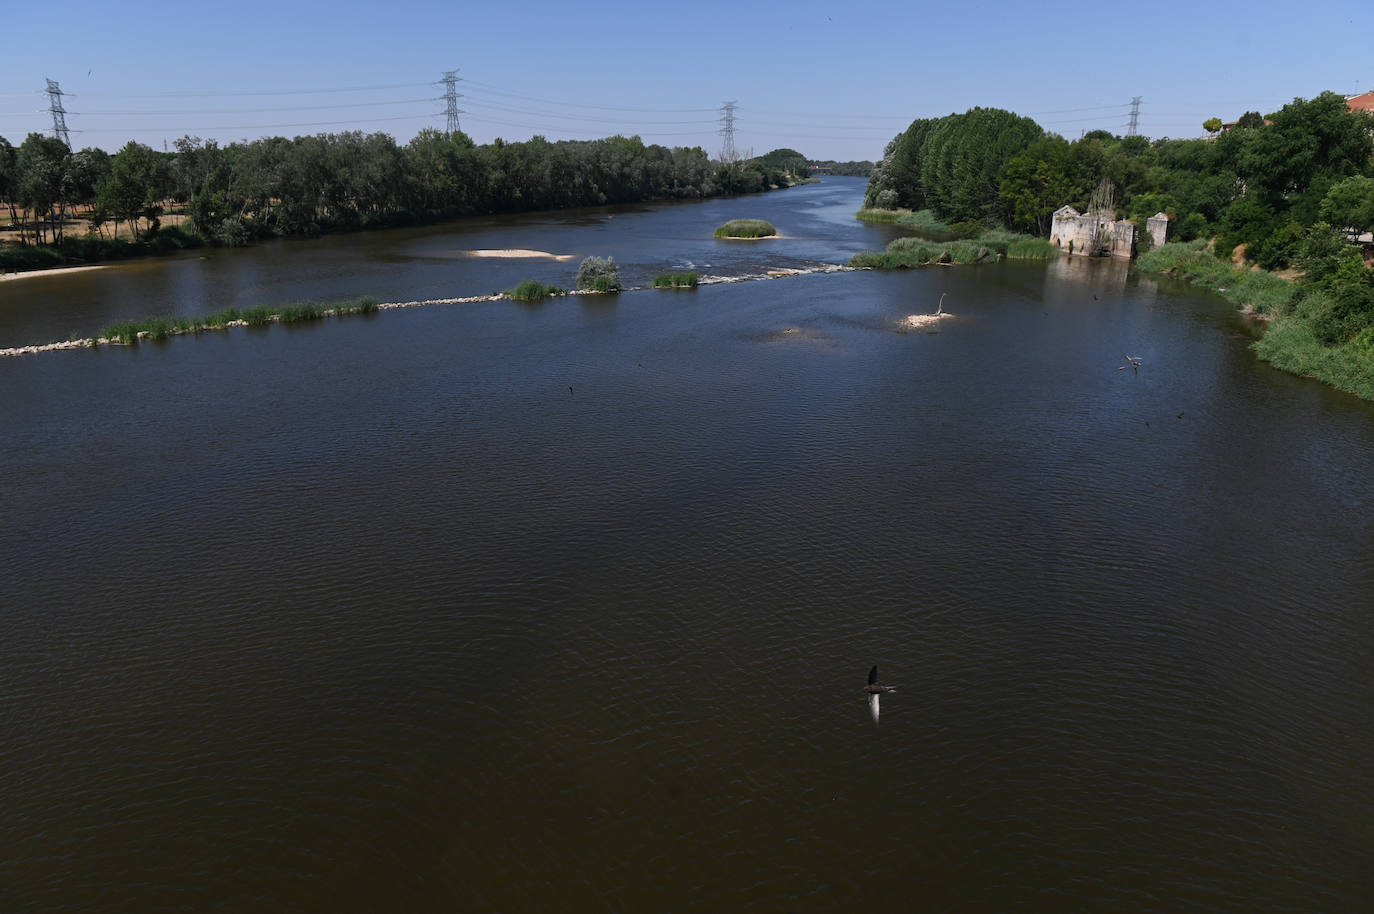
[328, 182]
[1261, 185]
[598, 274]
[746, 228]
[533, 290]
[325, 182]
[686, 280]
[863, 169]
[1291, 189]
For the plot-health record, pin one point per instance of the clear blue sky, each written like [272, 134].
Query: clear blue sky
[833, 80]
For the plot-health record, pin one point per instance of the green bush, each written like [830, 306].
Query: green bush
[746, 228]
[967, 229]
[598, 274]
[1194, 226]
[533, 290]
[676, 280]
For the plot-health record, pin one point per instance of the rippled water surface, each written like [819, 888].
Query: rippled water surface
[495, 607]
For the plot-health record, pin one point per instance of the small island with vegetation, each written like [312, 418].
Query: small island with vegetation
[746, 229]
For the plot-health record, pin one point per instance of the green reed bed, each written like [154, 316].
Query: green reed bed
[533, 290]
[908, 253]
[1031, 249]
[920, 219]
[989, 247]
[687, 280]
[159, 328]
[746, 228]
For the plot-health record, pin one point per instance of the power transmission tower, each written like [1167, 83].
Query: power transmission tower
[1135, 116]
[451, 96]
[59, 114]
[727, 130]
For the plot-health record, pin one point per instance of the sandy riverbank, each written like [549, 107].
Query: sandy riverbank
[25, 274]
[520, 254]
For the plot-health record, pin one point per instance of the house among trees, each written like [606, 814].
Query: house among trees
[1363, 102]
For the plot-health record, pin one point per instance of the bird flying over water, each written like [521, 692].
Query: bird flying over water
[874, 689]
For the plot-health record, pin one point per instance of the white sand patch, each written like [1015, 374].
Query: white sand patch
[5, 277]
[520, 254]
[921, 321]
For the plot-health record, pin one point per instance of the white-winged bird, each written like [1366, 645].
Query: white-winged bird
[874, 689]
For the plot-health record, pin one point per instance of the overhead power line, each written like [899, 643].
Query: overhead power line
[371, 120]
[564, 104]
[218, 94]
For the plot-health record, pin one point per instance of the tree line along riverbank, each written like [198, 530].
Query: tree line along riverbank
[231, 195]
[1270, 212]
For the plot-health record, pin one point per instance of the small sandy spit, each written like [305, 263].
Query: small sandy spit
[519, 254]
[25, 274]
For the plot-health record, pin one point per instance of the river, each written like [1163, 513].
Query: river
[568, 606]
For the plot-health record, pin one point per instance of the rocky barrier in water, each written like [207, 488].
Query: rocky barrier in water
[156, 329]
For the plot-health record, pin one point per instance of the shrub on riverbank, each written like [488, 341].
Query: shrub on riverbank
[533, 290]
[1320, 328]
[686, 280]
[598, 274]
[746, 228]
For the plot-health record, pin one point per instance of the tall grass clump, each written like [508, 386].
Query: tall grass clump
[221, 319]
[258, 315]
[124, 331]
[746, 228]
[533, 290]
[1031, 249]
[598, 274]
[686, 280]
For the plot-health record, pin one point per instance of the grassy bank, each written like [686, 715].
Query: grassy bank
[81, 250]
[924, 219]
[746, 228]
[908, 253]
[1293, 341]
[1264, 292]
[159, 328]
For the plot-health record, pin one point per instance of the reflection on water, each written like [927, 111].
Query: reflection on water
[565, 607]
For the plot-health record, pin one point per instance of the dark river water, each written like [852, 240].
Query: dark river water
[568, 607]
